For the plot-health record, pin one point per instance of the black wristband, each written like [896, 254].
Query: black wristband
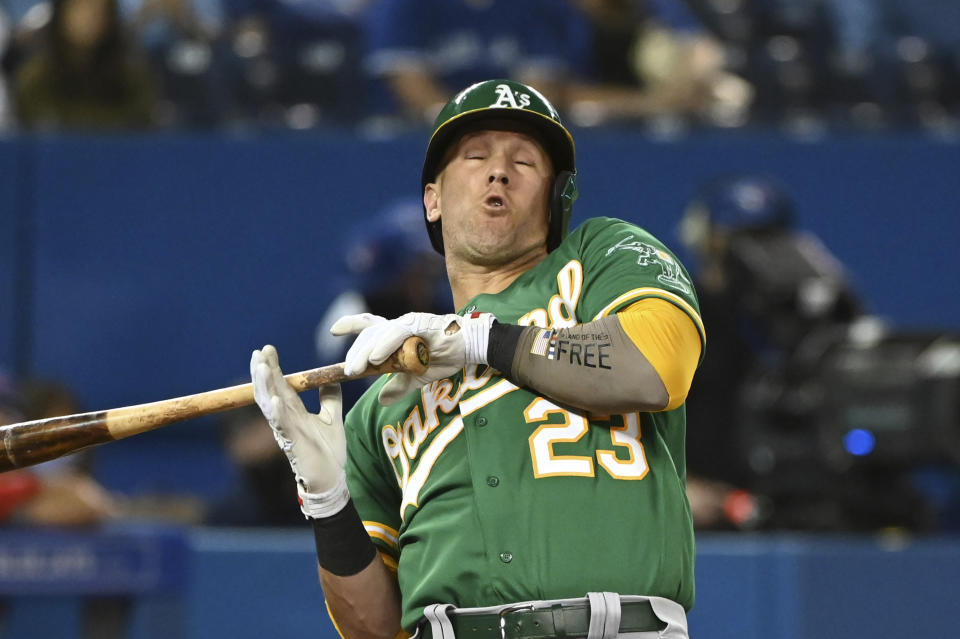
[343, 545]
[502, 346]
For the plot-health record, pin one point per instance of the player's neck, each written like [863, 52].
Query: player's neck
[469, 280]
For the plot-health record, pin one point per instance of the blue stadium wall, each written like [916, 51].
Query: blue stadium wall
[140, 268]
[146, 267]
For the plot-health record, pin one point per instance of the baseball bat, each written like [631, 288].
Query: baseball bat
[29, 443]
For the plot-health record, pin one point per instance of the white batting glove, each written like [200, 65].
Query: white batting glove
[453, 341]
[315, 445]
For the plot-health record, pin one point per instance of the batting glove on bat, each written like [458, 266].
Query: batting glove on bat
[452, 340]
[315, 445]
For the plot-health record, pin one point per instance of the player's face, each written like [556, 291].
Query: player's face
[492, 198]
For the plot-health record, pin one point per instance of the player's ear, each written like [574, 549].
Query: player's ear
[431, 201]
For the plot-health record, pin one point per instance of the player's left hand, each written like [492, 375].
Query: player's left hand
[315, 444]
[453, 341]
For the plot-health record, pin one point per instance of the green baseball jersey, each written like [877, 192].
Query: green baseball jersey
[486, 493]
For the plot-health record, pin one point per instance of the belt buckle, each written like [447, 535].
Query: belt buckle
[508, 610]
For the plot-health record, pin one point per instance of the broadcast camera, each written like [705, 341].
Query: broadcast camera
[836, 407]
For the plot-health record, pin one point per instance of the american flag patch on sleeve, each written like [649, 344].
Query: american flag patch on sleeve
[544, 344]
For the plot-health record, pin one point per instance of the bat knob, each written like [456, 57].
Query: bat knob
[414, 356]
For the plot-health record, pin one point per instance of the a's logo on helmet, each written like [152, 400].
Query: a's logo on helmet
[507, 99]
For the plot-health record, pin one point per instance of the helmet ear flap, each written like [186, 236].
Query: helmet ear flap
[561, 207]
[435, 231]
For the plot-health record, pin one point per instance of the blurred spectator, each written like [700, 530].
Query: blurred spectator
[295, 64]
[183, 43]
[423, 50]
[867, 63]
[794, 366]
[758, 306]
[63, 494]
[918, 51]
[16, 487]
[781, 47]
[598, 60]
[655, 58]
[26, 20]
[389, 271]
[156, 23]
[6, 111]
[717, 468]
[86, 74]
[57, 493]
[265, 493]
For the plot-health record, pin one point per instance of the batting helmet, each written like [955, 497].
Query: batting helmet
[505, 100]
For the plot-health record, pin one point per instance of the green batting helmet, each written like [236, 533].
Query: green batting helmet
[512, 101]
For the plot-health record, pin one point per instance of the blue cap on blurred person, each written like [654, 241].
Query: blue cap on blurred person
[748, 202]
[381, 249]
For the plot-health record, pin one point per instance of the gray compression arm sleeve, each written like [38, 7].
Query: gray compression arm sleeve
[593, 366]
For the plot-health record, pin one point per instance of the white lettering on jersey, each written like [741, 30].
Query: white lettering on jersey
[411, 492]
[561, 311]
[402, 442]
[436, 396]
[392, 444]
[412, 434]
[486, 396]
[648, 255]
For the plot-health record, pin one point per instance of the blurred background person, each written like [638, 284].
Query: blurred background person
[866, 64]
[741, 334]
[654, 59]
[6, 110]
[420, 51]
[183, 44]
[909, 60]
[751, 268]
[19, 486]
[294, 64]
[264, 493]
[85, 73]
[598, 60]
[58, 494]
[64, 493]
[389, 268]
[785, 431]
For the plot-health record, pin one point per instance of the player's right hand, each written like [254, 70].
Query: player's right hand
[452, 340]
[314, 444]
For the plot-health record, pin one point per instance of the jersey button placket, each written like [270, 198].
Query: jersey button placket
[493, 481]
[506, 557]
[481, 421]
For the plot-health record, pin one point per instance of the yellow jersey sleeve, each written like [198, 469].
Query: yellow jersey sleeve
[669, 340]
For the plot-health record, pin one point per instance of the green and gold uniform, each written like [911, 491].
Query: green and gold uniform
[485, 493]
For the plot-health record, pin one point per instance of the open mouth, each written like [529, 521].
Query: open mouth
[494, 201]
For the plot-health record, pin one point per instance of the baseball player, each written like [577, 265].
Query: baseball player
[531, 483]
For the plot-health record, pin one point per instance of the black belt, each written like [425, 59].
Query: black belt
[558, 620]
